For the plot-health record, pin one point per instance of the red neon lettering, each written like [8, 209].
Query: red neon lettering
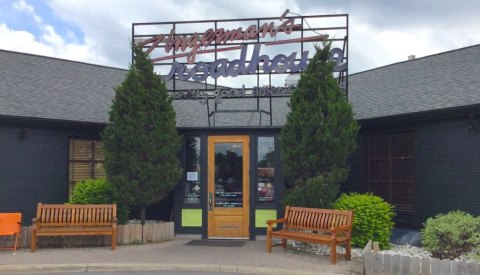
[194, 42]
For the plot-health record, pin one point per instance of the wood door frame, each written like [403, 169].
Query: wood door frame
[245, 140]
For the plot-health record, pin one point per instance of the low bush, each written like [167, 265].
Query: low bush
[447, 236]
[92, 191]
[318, 192]
[372, 218]
[97, 191]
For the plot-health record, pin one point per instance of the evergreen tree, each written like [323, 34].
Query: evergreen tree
[141, 142]
[320, 132]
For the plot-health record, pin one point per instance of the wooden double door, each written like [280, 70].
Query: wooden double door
[228, 187]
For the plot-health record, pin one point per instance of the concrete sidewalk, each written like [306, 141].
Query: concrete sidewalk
[175, 255]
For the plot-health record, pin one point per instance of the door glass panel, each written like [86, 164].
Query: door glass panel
[229, 174]
[265, 169]
[192, 170]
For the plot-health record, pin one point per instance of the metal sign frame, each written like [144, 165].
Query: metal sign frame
[176, 50]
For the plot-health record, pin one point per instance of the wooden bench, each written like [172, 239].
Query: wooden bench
[74, 220]
[321, 226]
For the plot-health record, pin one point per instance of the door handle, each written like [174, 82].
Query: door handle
[210, 201]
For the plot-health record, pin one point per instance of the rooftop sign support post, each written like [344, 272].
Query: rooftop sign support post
[241, 58]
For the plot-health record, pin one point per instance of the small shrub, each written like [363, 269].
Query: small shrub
[92, 191]
[372, 218]
[97, 191]
[447, 236]
[317, 192]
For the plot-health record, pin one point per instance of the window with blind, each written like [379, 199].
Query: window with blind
[85, 160]
[391, 168]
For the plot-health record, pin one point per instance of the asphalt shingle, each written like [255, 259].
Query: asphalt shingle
[42, 87]
[445, 80]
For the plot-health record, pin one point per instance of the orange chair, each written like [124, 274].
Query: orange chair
[10, 225]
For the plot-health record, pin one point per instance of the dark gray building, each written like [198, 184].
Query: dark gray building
[419, 145]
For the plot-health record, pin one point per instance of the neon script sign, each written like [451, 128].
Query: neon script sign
[222, 67]
[189, 46]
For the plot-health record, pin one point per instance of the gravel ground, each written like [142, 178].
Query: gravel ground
[407, 250]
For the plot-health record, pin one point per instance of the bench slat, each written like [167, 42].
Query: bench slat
[309, 237]
[78, 206]
[66, 224]
[73, 229]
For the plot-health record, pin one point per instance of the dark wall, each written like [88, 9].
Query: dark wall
[33, 166]
[447, 166]
[357, 178]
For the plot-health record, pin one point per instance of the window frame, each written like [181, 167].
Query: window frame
[389, 159]
[91, 161]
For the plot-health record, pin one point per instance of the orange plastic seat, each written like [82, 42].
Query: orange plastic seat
[10, 225]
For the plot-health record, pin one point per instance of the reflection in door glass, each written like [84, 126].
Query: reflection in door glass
[228, 175]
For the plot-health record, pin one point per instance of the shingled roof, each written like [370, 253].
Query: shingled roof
[33, 86]
[42, 87]
[441, 81]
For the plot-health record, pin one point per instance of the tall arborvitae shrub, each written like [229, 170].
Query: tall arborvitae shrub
[319, 135]
[141, 142]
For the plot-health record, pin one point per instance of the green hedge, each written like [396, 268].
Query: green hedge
[447, 236]
[97, 191]
[372, 218]
[92, 191]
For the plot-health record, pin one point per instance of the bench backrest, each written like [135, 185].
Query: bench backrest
[76, 214]
[315, 218]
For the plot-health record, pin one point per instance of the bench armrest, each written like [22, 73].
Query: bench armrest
[270, 222]
[341, 228]
[346, 229]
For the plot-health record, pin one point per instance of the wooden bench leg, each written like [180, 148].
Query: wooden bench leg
[33, 245]
[284, 243]
[333, 252]
[348, 250]
[269, 243]
[114, 240]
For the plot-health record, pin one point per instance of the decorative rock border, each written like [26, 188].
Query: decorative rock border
[385, 263]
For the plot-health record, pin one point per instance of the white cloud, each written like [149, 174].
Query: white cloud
[51, 45]
[49, 42]
[381, 33]
[50, 37]
[24, 7]
[22, 41]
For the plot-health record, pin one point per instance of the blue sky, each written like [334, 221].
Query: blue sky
[98, 31]
[33, 15]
